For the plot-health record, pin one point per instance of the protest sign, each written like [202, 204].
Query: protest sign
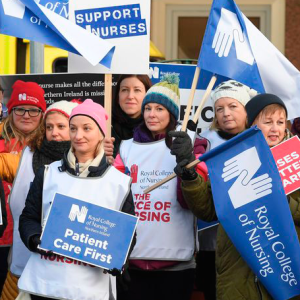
[251, 205]
[287, 158]
[47, 22]
[88, 232]
[125, 25]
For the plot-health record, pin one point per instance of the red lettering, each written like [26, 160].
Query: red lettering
[158, 205]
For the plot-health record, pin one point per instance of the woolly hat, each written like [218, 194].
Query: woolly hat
[63, 106]
[259, 102]
[26, 93]
[233, 89]
[92, 110]
[166, 93]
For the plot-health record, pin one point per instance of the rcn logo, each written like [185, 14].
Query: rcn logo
[154, 72]
[75, 212]
[22, 97]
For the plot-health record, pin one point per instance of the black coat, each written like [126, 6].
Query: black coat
[30, 219]
[3, 209]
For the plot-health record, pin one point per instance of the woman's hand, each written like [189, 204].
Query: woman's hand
[108, 145]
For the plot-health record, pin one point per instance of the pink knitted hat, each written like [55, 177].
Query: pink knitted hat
[93, 110]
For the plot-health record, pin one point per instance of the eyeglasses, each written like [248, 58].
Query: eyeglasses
[33, 112]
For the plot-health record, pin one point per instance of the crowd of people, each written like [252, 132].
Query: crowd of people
[60, 148]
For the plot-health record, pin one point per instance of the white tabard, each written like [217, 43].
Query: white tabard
[20, 254]
[213, 138]
[63, 278]
[165, 230]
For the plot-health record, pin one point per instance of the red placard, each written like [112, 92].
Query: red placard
[287, 158]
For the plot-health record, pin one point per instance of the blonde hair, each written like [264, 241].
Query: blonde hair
[269, 110]
[10, 131]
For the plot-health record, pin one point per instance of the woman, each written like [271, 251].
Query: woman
[42, 150]
[84, 160]
[161, 264]
[269, 113]
[230, 119]
[25, 107]
[126, 113]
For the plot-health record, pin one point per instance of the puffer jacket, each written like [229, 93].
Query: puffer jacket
[235, 280]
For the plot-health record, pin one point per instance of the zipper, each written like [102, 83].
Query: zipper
[258, 287]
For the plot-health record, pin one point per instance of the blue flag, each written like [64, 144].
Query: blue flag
[233, 47]
[48, 23]
[251, 205]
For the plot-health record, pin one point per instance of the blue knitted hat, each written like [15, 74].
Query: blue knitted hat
[166, 93]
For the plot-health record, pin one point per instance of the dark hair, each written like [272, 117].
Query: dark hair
[171, 126]
[118, 113]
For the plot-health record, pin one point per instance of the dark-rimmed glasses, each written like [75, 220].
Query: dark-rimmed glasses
[33, 112]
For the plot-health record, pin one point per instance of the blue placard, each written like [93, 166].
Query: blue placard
[88, 232]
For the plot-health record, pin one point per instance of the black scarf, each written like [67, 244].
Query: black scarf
[48, 153]
[225, 135]
[124, 128]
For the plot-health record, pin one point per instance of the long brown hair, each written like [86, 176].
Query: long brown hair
[10, 131]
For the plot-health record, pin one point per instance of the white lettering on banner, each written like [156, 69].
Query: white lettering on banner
[289, 168]
[84, 239]
[263, 226]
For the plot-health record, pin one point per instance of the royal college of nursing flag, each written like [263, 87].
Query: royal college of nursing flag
[252, 207]
[235, 48]
[44, 22]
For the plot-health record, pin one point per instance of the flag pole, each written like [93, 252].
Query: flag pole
[191, 99]
[204, 98]
[170, 177]
[108, 101]
[197, 114]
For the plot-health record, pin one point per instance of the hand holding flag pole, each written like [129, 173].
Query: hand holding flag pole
[170, 177]
[195, 119]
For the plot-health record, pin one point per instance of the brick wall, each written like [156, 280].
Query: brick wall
[292, 38]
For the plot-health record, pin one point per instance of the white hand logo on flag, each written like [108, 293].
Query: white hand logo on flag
[246, 188]
[247, 160]
[14, 8]
[229, 30]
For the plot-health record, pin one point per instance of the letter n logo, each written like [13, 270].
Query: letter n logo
[79, 214]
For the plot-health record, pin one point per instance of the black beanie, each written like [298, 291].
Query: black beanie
[258, 103]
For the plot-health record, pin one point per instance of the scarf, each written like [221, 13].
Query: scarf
[82, 169]
[49, 152]
[124, 129]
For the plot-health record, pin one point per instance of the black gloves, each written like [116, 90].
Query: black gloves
[113, 272]
[34, 242]
[182, 148]
[191, 125]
